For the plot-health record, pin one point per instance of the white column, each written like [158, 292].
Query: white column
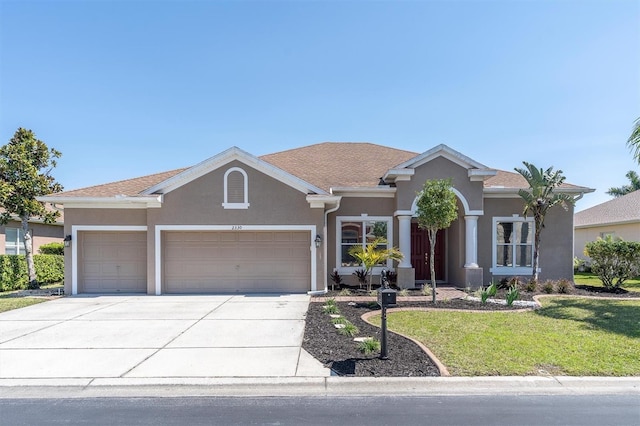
[471, 241]
[404, 237]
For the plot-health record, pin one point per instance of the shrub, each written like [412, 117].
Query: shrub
[345, 292]
[563, 286]
[361, 274]
[339, 320]
[614, 261]
[548, 287]
[512, 295]
[330, 309]
[531, 286]
[349, 329]
[13, 270]
[426, 290]
[52, 248]
[403, 293]
[488, 292]
[368, 346]
[330, 301]
[336, 279]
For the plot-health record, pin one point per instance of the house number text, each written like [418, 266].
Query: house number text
[236, 227]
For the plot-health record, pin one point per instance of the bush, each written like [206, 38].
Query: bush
[368, 346]
[548, 287]
[614, 261]
[490, 291]
[349, 329]
[13, 270]
[563, 286]
[512, 295]
[52, 248]
[531, 286]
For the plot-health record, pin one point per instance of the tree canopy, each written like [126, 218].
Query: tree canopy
[436, 209]
[634, 141]
[539, 198]
[25, 173]
[634, 185]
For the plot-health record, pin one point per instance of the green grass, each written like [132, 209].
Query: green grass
[587, 278]
[567, 336]
[8, 303]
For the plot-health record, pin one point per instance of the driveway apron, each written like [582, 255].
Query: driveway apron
[137, 336]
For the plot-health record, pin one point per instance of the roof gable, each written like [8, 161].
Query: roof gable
[476, 171]
[225, 157]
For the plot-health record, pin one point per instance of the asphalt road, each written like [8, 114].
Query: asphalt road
[453, 410]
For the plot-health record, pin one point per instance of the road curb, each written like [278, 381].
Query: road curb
[317, 386]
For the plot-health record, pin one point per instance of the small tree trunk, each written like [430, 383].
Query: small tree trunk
[432, 256]
[28, 251]
[536, 254]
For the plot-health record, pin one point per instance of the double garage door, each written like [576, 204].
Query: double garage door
[201, 262]
[197, 262]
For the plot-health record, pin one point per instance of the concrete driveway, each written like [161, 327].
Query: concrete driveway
[135, 336]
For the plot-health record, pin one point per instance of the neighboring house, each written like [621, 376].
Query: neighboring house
[12, 236]
[283, 222]
[619, 217]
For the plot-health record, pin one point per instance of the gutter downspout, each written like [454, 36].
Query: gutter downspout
[324, 231]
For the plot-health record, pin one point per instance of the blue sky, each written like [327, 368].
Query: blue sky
[129, 88]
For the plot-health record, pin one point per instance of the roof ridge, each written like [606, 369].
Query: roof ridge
[336, 143]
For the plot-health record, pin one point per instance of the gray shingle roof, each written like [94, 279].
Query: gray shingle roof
[325, 165]
[625, 209]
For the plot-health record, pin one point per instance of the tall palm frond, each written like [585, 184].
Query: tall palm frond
[634, 141]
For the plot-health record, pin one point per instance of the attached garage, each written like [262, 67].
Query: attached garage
[236, 261]
[112, 262]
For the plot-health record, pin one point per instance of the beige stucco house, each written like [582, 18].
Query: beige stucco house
[619, 217]
[283, 222]
[12, 235]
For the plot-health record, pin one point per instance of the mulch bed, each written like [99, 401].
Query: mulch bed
[341, 353]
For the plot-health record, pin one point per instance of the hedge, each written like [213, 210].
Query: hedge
[52, 248]
[13, 270]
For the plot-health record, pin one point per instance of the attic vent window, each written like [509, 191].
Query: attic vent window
[236, 189]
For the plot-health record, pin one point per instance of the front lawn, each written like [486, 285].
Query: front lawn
[8, 302]
[567, 336]
[587, 278]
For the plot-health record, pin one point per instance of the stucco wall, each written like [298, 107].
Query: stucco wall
[627, 231]
[556, 247]
[199, 202]
[439, 168]
[356, 206]
[42, 234]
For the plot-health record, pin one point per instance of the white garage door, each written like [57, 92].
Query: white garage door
[112, 262]
[207, 262]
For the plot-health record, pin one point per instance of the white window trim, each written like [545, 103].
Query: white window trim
[245, 204]
[348, 270]
[237, 228]
[19, 246]
[74, 245]
[509, 270]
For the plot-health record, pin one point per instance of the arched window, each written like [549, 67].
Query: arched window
[236, 189]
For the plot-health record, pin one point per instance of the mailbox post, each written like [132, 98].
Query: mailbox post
[386, 298]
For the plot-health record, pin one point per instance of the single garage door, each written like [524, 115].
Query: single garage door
[112, 262]
[208, 262]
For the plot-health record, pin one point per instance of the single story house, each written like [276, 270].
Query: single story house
[283, 222]
[12, 235]
[619, 217]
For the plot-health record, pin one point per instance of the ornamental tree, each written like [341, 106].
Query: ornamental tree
[437, 208]
[25, 173]
[539, 198]
[372, 255]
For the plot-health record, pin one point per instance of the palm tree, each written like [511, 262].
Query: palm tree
[634, 140]
[539, 198]
[634, 185]
[372, 255]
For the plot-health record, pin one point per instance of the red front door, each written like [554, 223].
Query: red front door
[420, 253]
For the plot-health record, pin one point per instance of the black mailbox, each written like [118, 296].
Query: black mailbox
[386, 297]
